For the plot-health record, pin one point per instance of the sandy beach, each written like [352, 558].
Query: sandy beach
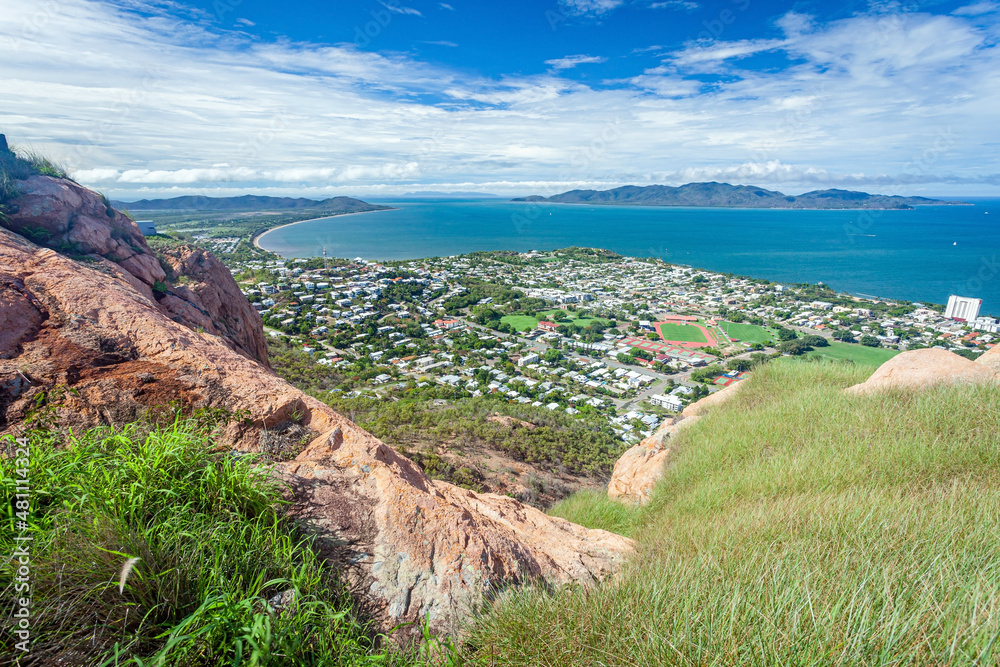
[256, 239]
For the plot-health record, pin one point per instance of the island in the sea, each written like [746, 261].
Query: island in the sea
[248, 203]
[736, 196]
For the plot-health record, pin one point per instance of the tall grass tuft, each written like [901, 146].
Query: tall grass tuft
[794, 526]
[153, 549]
[17, 165]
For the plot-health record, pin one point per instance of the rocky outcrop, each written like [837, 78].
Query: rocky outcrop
[700, 407]
[73, 220]
[922, 369]
[640, 468]
[210, 299]
[991, 359]
[410, 546]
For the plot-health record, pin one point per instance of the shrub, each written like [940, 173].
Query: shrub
[218, 575]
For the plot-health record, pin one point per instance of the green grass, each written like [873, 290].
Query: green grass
[520, 322]
[859, 354]
[747, 333]
[684, 333]
[795, 525]
[527, 323]
[19, 165]
[212, 546]
[570, 319]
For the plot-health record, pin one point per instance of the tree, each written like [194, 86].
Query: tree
[786, 334]
[844, 335]
[870, 341]
[552, 355]
[816, 341]
[707, 374]
[738, 365]
[795, 347]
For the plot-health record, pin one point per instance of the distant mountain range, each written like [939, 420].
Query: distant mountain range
[434, 194]
[736, 196]
[250, 203]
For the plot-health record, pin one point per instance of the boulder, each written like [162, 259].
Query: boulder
[922, 369]
[411, 548]
[67, 217]
[640, 468]
[211, 300]
[699, 408]
[991, 359]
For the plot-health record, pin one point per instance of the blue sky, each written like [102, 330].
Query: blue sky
[165, 97]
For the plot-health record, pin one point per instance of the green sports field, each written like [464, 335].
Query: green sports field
[682, 333]
[520, 322]
[859, 354]
[747, 333]
[580, 321]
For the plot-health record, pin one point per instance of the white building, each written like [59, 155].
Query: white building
[987, 324]
[528, 359]
[962, 308]
[669, 402]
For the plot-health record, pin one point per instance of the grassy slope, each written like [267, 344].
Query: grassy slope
[795, 526]
[212, 545]
[859, 354]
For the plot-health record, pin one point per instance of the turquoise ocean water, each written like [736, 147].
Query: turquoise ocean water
[921, 255]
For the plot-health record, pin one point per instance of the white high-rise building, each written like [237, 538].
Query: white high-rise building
[962, 308]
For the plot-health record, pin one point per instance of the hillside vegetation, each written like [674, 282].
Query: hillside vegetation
[153, 548]
[794, 526]
[482, 443]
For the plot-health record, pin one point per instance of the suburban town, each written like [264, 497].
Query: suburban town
[580, 331]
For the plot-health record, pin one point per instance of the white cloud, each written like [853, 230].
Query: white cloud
[977, 9]
[590, 7]
[719, 51]
[445, 5]
[443, 42]
[226, 174]
[156, 106]
[572, 61]
[394, 6]
[686, 5]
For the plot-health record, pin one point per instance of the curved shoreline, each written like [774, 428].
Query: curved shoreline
[257, 237]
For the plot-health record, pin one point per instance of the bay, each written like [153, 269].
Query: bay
[924, 254]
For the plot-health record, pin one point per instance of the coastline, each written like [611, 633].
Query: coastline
[737, 208]
[257, 237]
